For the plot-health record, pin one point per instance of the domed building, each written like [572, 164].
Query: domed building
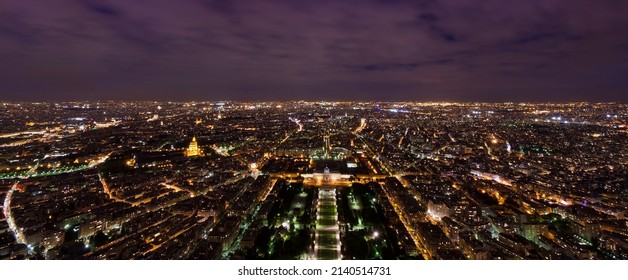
[193, 150]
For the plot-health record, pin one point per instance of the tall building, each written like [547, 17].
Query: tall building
[193, 149]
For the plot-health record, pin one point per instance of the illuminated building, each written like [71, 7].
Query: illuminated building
[193, 150]
[437, 210]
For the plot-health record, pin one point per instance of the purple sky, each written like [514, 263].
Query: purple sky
[456, 50]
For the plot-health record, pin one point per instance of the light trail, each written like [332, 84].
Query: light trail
[106, 189]
[99, 161]
[172, 187]
[297, 122]
[407, 225]
[492, 177]
[361, 127]
[451, 138]
[11, 135]
[17, 233]
[17, 143]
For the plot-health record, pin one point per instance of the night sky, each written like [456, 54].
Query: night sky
[429, 50]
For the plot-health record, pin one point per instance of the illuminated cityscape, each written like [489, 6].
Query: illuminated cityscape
[313, 180]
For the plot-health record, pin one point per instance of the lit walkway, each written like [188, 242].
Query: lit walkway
[327, 242]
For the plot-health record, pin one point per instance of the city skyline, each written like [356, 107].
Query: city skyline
[375, 50]
[313, 180]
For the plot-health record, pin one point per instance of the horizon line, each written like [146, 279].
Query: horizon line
[310, 101]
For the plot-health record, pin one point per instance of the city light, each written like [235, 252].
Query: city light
[312, 181]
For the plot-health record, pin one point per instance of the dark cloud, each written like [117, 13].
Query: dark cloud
[102, 10]
[428, 17]
[546, 36]
[401, 66]
[443, 34]
[557, 50]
